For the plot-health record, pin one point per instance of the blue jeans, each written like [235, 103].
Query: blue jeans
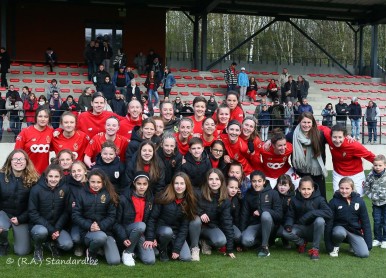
[355, 128]
[15, 124]
[372, 128]
[379, 215]
[153, 93]
[91, 68]
[231, 87]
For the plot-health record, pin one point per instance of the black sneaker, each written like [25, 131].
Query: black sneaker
[38, 254]
[4, 249]
[264, 252]
[91, 258]
[54, 250]
[163, 256]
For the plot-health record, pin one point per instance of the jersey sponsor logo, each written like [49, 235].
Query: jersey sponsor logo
[116, 174]
[48, 139]
[356, 206]
[275, 166]
[61, 194]
[75, 155]
[40, 148]
[76, 146]
[103, 198]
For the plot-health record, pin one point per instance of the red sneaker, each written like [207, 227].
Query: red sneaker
[302, 248]
[222, 249]
[314, 254]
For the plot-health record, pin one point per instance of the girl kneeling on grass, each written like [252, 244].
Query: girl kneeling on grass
[307, 217]
[169, 220]
[133, 212]
[214, 210]
[49, 213]
[261, 209]
[350, 221]
[95, 213]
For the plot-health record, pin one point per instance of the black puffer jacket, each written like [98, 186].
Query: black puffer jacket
[235, 211]
[94, 207]
[265, 200]
[196, 170]
[14, 197]
[304, 211]
[352, 216]
[286, 201]
[126, 212]
[219, 215]
[170, 215]
[49, 207]
[135, 141]
[115, 172]
[75, 188]
[172, 125]
[172, 164]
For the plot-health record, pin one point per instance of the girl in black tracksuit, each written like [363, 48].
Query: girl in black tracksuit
[196, 163]
[95, 213]
[170, 156]
[109, 162]
[233, 185]
[49, 212]
[169, 220]
[214, 210]
[306, 217]
[133, 212]
[261, 209]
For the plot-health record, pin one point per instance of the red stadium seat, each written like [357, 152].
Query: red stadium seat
[184, 93]
[51, 73]
[62, 66]
[27, 64]
[76, 82]
[75, 73]
[218, 94]
[198, 78]
[39, 65]
[206, 94]
[40, 90]
[215, 71]
[224, 86]
[27, 72]
[39, 81]
[183, 70]
[219, 78]
[63, 73]
[202, 86]
[64, 90]
[188, 77]
[208, 78]
[15, 64]
[14, 80]
[196, 94]
[39, 72]
[192, 85]
[78, 91]
[15, 72]
[74, 66]
[173, 93]
[194, 70]
[213, 86]
[27, 80]
[64, 81]
[180, 85]
[177, 77]
[88, 82]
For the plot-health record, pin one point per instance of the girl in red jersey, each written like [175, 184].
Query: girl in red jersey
[70, 138]
[347, 157]
[209, 133]
[237, 149]
[110, 134]
[276, 160]
[92, 122]
[133, 118]
[185, 129]
[236, 111]
[199, 108]
[35, 140]
[250, 135]
[223, 114]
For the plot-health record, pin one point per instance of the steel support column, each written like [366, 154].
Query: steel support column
[355, 46]
[360, 62]
[374, 50]
[319, 47]
[204, 41]
[196, 26]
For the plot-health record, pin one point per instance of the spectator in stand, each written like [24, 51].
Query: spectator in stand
[98, 53]
[230, 77]
[303, 87]
[305, 107]
[283, 79]
[51, 58]
[272, 90]
[14, 105]
[108, 89]
[13, 92]
[30, 106]
[252, 89]
[168, 82]
[211, 106]
[54, 104]
[296, 112]
[187, 110]
[121, 80]
[120, 60]
[5, 64]
[152, 84]
[3, 113]
[342, 111]
[372, 114]
[89, 58]
[328, 115]
[130, 73]
[149, 60]
[355, 115]
[43, 103]
[177, 107]
[157, 68]
[264, 122]
[99, 77]
[140, 63]
[107, 53]
[133, 91]
[25, 91]
[289, 92]
[259, 107]
[288, 117]
[85, 99]
[70, 105]
[277, 115]
[243, 83]
[119, 105]
[51, 88]
[148, 111]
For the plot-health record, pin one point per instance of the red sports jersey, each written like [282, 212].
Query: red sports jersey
[238, 152]
[220, 127]
[183, 148]
[254, 159]
[77, 143]
[275, 165]
[36, 144]
[197, 125]
[236, 114]
[126, 126]
[208, 143]
[347, 159]
[93, 124]
[95, 146]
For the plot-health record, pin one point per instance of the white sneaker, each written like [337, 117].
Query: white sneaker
[335, 252]
[205, 248]
[78, 251]
[127, 259]
[195, 254]
[383, 245]
[376, 243]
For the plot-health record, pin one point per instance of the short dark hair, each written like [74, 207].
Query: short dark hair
[339, 127]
